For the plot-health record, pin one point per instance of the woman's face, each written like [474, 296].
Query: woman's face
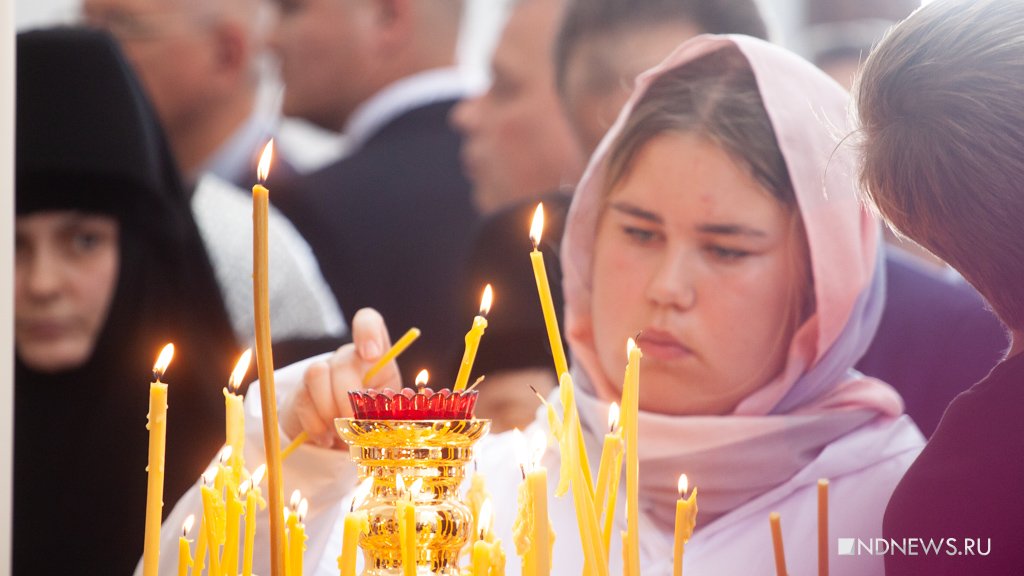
[693, 253]
[65, 272]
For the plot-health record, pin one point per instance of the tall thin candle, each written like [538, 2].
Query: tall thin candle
[547, 306]
[630, 415]
[265, 362]
[780, 554]
[473, 340]
[686, 519]
[157, 426]
[356, 522]
[234, 416]
[184, 552]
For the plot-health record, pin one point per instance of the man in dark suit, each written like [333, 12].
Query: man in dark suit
[390, 222]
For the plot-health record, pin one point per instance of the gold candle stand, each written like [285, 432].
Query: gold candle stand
[434, 451]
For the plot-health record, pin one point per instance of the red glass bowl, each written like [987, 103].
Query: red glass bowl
[410, 404]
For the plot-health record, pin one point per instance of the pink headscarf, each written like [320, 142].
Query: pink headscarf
[817, 397]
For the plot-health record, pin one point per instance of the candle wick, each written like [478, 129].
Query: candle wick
[637, 338]
[538, 394]
[522, 470]
[156, 376]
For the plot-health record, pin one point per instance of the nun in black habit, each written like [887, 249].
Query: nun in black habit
[88, 142]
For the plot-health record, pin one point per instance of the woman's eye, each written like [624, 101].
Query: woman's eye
[84, 241]
[725, 254]
[640, 235]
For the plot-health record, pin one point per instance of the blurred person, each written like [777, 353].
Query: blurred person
[390, 222]
[199, 62]
[109, 267]
[936, 333]
[942, 126]
[518, 143]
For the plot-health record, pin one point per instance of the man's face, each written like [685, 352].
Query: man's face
[518, 142]
[171, 46]
[325, 52]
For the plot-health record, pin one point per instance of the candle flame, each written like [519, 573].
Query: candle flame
[163, 361]
[303, 508]
[244, 488]
[484, 518]
[263, 169]
[415, 488]
[209, 476]
[422, 378]
[361, 493]
[684, 485]
[613, 417]
[630, 345]
[241, 367]
[400, 484]
[538, 445]
[187, 526]
[519, 447]
[296, 499]
[224, 455]
[257, 475]
[537, 226]
[486, 300]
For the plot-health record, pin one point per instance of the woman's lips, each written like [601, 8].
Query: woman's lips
[662, 345]
[44, 329]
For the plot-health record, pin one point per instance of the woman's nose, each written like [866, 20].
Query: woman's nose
[673, 283]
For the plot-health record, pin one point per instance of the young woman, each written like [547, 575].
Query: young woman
[109, 267]
[721, 221]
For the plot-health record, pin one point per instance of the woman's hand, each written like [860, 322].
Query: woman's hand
[323, 395]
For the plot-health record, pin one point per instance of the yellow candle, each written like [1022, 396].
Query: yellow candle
[594, 557]
[234, 416]
[630, 410]
[626, 562]
[547, 306]
[157, 426]
[184, 553]
[405, 511]
[291, 520]
[404, 342]
[780, 556]
[356, 523]
[265, 362]
[686, 519]
[537, 485]
[213, 519]
[297, 539]
[482, 549]
[253, 499]
[200, 561]
[822, 527]
[473, 340]
[231, 533]
[475, 498]
[608, 474]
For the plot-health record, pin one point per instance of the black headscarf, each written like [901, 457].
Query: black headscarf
[88, 140]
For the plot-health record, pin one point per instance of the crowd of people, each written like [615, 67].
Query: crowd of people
[824, 284]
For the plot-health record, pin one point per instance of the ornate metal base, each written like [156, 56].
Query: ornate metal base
[434, 451]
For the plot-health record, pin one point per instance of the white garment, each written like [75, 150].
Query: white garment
[863, 468]
[301, 303]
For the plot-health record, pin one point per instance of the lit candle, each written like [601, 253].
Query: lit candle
[544, 291]
[213, 519]
[537, 484]
[184, 552]
[234, 419]
[253, 499]
[482, 550]
[234, 519]
[780, 556]
[473, 340]
[630, 410]
[609, 472]
[686, 519]
[289, 526]
[265, 361]
[157, 426]
[822, 527]
[297, 539]
[356, 522]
